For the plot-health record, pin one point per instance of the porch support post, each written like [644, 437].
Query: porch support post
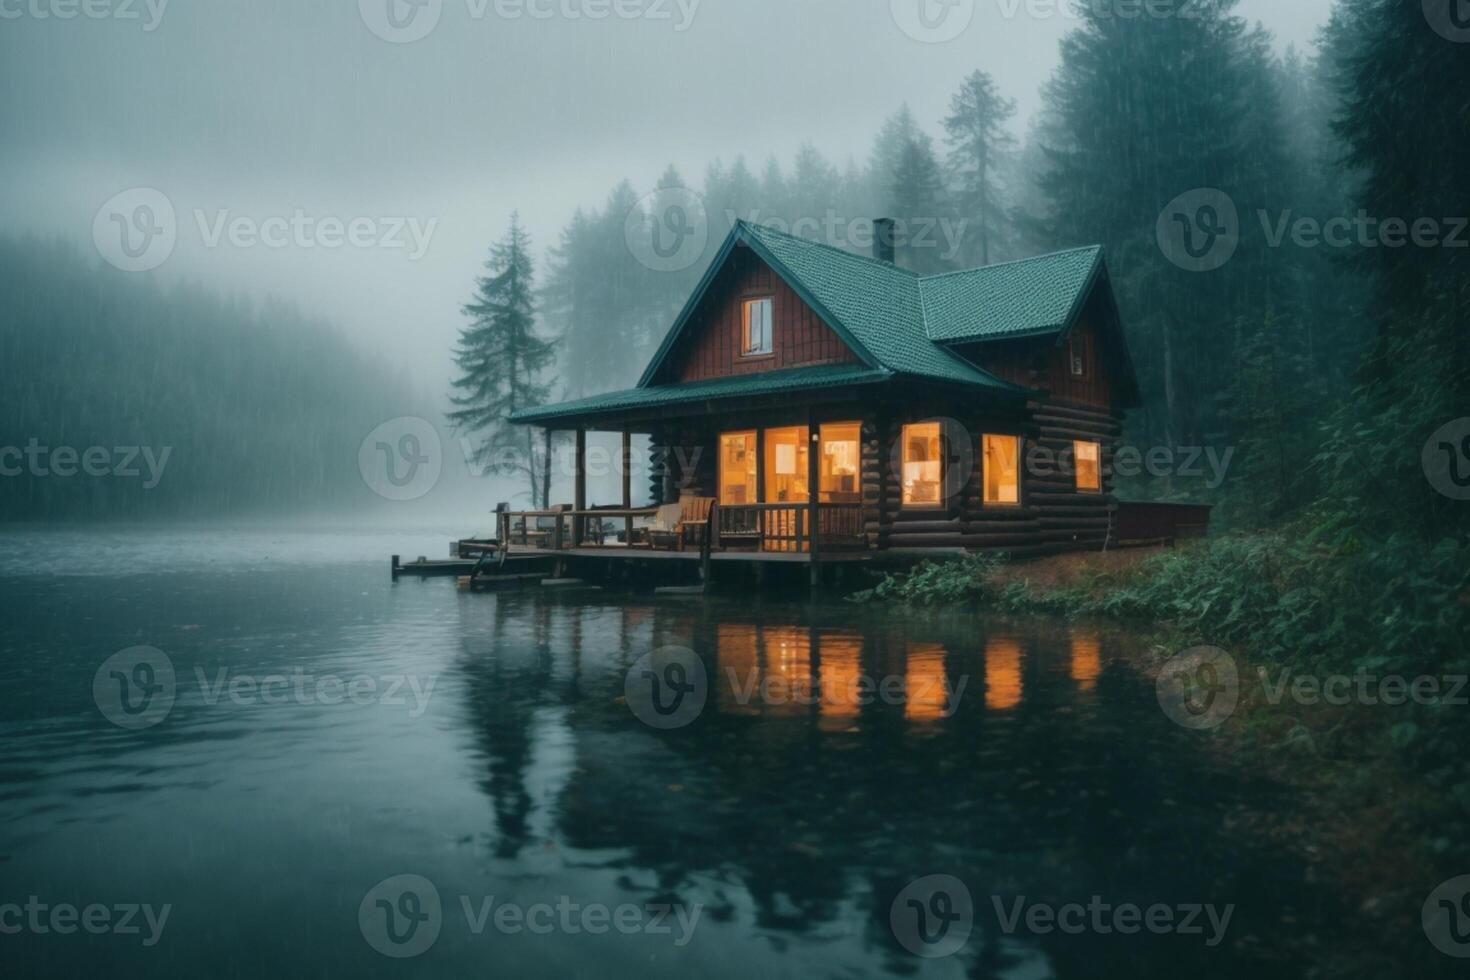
[764, 521]
[813, 449]
[580, 495]
[627, 485]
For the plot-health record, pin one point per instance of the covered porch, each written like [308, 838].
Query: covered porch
[735, 469]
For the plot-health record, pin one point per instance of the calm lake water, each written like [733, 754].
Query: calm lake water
[486, 746]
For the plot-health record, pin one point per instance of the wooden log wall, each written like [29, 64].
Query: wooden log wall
[1069, 520]
[1052, 516]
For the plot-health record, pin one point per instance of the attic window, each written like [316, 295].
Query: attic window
[1077, 356]
[756, 335]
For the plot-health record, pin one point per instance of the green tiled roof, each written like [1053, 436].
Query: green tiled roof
[878, 303]
[898, 322]
[738, 386]
[1013, 299]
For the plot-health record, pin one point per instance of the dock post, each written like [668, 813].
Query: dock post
[707, 544]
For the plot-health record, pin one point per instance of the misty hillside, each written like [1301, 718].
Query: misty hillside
[258, 409]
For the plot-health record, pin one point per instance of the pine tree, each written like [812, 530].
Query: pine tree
[980, 146]
[503, 362]
[918, 196]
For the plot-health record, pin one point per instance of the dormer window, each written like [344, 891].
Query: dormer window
[756, 337]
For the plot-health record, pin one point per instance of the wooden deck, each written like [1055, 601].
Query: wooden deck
[621, 553]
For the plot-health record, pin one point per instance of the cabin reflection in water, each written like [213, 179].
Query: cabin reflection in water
[925, 686]
[1002, 673]
[1086, 659]
[842, 671]
[792, 670]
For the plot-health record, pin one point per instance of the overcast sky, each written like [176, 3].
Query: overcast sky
[262, 108]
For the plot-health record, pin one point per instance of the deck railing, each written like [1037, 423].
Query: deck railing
[748, 527]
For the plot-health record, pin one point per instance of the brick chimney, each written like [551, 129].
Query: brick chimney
[884, 240]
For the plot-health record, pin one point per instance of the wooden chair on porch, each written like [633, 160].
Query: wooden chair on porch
[680, 524]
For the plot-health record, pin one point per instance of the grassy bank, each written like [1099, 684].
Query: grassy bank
[1385, 786]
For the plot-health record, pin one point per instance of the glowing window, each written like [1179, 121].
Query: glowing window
[756, 337]
[737, 468]
[922, 465]
[1002, 469]
[841, 463]
[786, 465]
[1089, 466]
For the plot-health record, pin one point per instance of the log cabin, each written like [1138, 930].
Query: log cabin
[824, 401]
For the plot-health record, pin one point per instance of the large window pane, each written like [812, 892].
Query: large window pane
[922, 465]
[841, 463]
[1002, 474]
[786, 465]
[737, 468]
